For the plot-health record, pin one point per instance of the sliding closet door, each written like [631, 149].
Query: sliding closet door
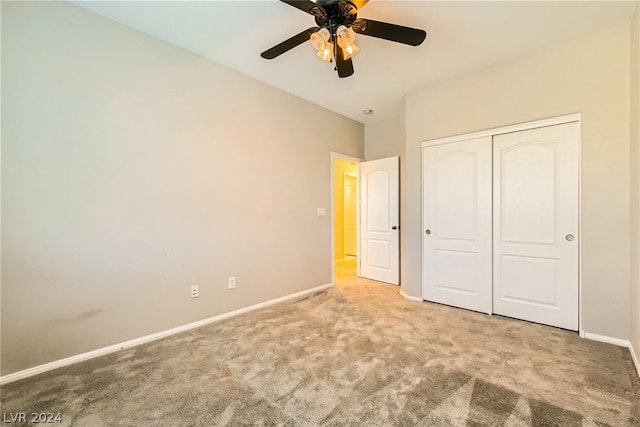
[535, 225]
[457, 224]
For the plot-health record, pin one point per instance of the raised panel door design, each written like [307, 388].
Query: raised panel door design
[456, 210]
[378, 214]
[529, 280]
[455, 271]
[379, 254]
[528, 193]
[457, 224]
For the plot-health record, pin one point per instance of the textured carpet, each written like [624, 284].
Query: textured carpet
[357, 354]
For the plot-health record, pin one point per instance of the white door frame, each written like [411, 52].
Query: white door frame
[348, 158]
[576, 117]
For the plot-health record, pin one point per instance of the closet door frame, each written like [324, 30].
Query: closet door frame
[576, 117]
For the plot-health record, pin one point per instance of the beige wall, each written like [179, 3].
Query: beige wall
[589, 76]
[131, 170]
[384, 138]
[635, 183]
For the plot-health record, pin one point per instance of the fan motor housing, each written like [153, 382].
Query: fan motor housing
[332, 13]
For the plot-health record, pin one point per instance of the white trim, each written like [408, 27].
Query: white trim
[148, 338]
[409, 297]
[348, 158]
[576, 117]
[614, 341]
[606, 339]
[580, 239]
[634, 356]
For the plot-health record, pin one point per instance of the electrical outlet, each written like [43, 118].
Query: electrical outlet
[232, 282]
[195, 290]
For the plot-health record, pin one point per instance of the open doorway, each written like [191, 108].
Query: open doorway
[345, 216]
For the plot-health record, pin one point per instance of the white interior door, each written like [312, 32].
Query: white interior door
[457, 222]
[350, 214]
[379, 220]
[535, 212]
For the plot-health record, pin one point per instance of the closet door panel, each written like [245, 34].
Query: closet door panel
[535, 225]
[457, 224]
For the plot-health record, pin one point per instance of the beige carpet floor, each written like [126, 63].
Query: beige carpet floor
[358, 354]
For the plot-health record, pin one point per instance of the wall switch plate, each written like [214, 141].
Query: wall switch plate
[322, 212]
[232, 282]
[195, 290]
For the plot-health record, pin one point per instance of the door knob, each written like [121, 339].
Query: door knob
[569, 237]
[394, 227]
[428, 231]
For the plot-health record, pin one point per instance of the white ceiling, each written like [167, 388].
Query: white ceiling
[462, 36]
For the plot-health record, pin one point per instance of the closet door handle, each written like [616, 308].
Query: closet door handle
[428, 231]
[569, 237]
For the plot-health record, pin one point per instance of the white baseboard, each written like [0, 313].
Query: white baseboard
[604, 338]
[148, 338]
[634, 356]
[409, 297]
[614, 341]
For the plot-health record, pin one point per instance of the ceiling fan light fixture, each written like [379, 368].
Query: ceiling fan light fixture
[326, 54]
[345, 36]
[320, 39]
[350, 50]
[335, 32]
[317, 42]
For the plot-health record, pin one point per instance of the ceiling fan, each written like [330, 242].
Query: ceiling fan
[334, 36]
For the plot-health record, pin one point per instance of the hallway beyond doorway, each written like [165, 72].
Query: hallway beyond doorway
[346, 267]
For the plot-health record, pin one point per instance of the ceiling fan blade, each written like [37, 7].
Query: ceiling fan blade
[344, 66]
[289, 44]
[384, 30]
[303, 5]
